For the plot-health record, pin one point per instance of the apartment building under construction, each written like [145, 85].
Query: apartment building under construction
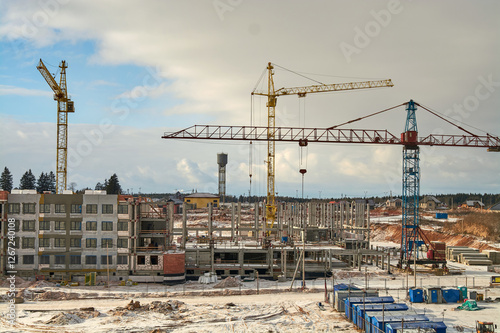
[67, 235]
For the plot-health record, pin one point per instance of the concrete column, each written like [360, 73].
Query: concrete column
[280, 221]
[256, 226]
[238, 224]
[170, 222]
[367, 223]
[241, 256]
[342, 221]
[232, 220]
[210, 221]
[330, 258]
[184, 226]
[359, 261]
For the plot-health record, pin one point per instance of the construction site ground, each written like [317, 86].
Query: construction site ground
[232, 305]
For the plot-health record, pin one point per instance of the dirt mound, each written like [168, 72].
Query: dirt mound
[228, 282]
[72, 317]
[482, 225]
[42, 284]
[156, 306]
[20, 282]
[56, 295]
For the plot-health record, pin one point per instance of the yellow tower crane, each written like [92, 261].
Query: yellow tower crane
[272, 96]
[64, 105]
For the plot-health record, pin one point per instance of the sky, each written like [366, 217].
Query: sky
[138, 69]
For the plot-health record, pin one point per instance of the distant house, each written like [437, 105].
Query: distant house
[394, 203]
[177, 205]
[370, 202]
[199, 200]
[430, 203]
[495, 207]
[474, 204]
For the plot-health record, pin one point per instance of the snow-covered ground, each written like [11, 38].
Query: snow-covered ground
[237, 309]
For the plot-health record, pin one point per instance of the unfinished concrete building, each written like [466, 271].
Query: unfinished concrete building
[66, 235]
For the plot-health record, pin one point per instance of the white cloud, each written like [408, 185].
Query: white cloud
[210, 65]
[20, 91]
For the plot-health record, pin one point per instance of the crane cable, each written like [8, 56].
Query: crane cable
[370, 115]
[448, 121]
[302, 168]
[250, 153]
[297, 73]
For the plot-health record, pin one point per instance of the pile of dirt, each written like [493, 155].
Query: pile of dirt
[484, 225]
[20, 282]
[72, 317]
[228, 282]
[156, 306]
[55, 295]
[42, 284]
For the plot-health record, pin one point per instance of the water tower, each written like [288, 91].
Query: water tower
[222, 162]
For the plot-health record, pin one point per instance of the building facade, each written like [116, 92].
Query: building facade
[201, 200]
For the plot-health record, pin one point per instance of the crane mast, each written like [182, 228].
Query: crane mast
[411, 187]
[64, 105]
[271, 147]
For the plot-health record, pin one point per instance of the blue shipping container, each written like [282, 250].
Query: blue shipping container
[441, 215]
[416, 295]
[343, 286]
[360, 310]
[439, 326]
[451, 295]
[380, 321]
[351, 301]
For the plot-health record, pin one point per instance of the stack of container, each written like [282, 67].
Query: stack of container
[361, 310]
[350, 302]
[341, 295]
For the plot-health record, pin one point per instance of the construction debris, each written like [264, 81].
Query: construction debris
[72, 317]
[156, 306]
[56, 295]
[229, 282]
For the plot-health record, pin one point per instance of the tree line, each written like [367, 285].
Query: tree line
[47, 182]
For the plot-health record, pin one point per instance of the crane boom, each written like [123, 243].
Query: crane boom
[58, 93]
[324, 135]
[329, 88]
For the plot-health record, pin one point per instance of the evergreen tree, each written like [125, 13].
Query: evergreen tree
[43, 182]
[28, 181]
[51, 182]
[113, 185]
[6, 180]
[99, 186]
